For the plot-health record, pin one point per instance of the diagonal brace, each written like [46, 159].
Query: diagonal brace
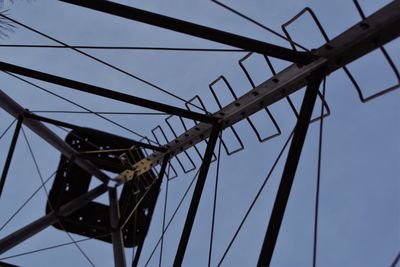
[196, 30]
[30, 115]
[116, 234]
[289, 171]
[42, 223]
[10, 153]
[194, 204]
[96, 90]
[15, 110]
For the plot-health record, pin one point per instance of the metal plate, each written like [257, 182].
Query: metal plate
[110, 153]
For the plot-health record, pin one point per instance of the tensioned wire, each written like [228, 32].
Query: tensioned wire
[48, 200]
[78, 105]
[100, 61]
[173, 215]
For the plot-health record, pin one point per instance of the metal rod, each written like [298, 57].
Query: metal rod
[195, 30]
[289, 171]
[10, 153]
[40, 224]
[210, 250]
[194, 204]
[30, 115]
[164, 215]
[12, 107]
[256, 197]
[152, 205]
[96, 90]
[73, 126]
[102, 47]
[172, 216]
[138, 252]
[318, 180]
[51, 247]
[116, 235]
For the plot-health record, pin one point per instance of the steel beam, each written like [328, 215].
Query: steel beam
[35, 227]
[14, 109]
[289, 171]
[10, 153]
[195, 30]
[116, 235]
[378, 29]
[96, 90]
[198, 190]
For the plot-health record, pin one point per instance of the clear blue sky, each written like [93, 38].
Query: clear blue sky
[360, 186]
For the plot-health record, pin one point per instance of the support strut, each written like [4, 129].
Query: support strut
[289, 171]
[195, 30]
[15, 110]
[40, 224]
[194, 204]
[104, 92]
[116, 235]
[10, 153]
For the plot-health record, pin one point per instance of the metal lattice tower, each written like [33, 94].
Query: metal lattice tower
[135, 173]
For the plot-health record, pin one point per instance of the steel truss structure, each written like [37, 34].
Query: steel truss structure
[308, 70]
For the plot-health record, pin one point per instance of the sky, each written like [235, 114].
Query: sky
[359, 213]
